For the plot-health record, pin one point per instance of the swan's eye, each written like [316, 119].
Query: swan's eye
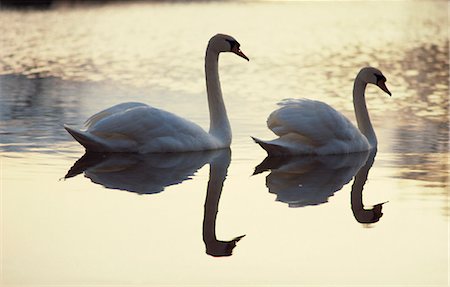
[232, 43]
[380, 78]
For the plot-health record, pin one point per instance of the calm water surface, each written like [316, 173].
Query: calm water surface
[364, 220]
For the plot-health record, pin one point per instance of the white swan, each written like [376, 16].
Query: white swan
[313, 127]
[137, 127]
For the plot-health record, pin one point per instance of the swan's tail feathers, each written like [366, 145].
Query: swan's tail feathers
[271, 148]
[88, 142]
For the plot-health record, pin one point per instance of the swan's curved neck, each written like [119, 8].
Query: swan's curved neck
[362, 116]
[219, 125]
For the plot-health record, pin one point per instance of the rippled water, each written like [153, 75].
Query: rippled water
[367, 219]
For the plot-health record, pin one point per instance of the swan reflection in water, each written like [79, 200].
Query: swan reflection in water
[361, 214]
[151, 173]
[310, 180]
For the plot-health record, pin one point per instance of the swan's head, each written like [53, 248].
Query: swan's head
[374, 76]
[225, 43]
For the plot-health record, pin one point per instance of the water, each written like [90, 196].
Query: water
[165, 220]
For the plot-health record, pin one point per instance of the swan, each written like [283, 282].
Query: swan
[139, 128]
[313, 127]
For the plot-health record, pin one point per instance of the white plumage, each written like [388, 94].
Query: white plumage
[313, 127]
[137, 127]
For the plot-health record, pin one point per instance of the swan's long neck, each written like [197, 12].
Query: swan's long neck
[362, 116]
[219, 125]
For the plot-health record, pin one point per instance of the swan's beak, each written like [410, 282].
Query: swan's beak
[238, 52]
[382, 85]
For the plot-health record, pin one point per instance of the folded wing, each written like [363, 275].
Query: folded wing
[135, 127]
[313, 122]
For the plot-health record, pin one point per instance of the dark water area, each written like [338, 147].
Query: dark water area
[52, 4]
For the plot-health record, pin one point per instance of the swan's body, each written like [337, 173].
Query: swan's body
[313, 127]
[137, 127]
